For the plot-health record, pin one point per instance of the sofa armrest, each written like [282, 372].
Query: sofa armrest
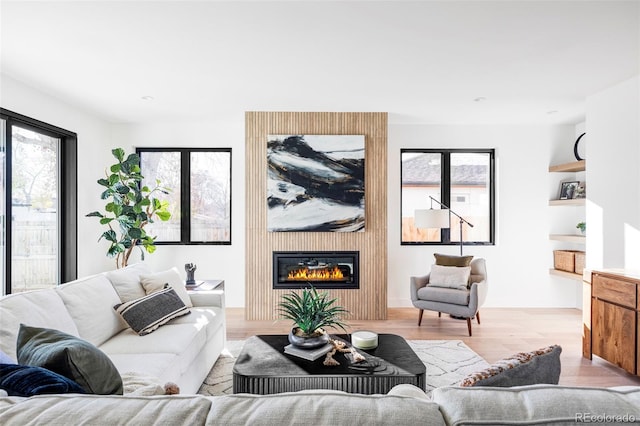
[416, 284]
[207, 298]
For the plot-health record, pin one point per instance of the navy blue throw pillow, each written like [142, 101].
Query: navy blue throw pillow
[24, 380]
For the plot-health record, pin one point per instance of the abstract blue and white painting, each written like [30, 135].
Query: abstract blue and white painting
[315, 183]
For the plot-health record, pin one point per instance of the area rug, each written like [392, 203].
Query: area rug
[447, 362]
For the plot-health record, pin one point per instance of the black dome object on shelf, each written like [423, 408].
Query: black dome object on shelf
[575, 147]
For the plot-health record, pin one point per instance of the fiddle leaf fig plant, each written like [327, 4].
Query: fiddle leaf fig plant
[130, 207]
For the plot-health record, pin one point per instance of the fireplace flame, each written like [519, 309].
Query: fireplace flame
[322, 274]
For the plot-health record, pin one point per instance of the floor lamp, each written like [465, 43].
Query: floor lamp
[438, 218]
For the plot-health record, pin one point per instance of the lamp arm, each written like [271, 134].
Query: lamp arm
[462, 220]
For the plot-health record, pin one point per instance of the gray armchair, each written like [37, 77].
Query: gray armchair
[458, 303]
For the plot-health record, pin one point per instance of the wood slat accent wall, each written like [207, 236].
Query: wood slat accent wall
[370, 301]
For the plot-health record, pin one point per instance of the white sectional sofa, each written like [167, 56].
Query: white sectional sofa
[404, 405]
[182, 351]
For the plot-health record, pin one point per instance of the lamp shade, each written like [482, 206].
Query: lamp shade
[431, 218]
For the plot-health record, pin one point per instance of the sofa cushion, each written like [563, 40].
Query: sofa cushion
[523, 368]
[89, 301]
[126, 281]
[449, 276]
[25, 380]
[6, 359]
[444, 295]
[69, 356]
[448, 260]
[156, 282]
[146, 314]
[105, 410]
[41, 308]
[536, 404]
[323, 407]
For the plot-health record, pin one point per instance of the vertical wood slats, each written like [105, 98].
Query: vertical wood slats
[370, 301]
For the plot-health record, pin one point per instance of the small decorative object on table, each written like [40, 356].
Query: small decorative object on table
[191, 270]
[311, 312]
[364, 340]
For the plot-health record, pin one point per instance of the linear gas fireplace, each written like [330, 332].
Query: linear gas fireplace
[322, 269]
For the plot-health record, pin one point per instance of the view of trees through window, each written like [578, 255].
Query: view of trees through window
[200, 196]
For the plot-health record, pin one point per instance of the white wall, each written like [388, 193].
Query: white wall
[518, 264]
[613, 177]
[93, 135]
[214, 261]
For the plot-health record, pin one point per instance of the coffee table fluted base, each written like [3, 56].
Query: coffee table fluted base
[262, 368]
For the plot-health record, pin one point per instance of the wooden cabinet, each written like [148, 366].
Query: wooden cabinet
[614, 322]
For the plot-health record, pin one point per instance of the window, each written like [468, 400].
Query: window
[200, 196]
[38, 208]
[459, 178]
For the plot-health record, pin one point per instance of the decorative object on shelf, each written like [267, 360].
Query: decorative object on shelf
[582, 226]
[190, 268]
[130, 207]
[575, 148]
[311, 312]
[438, 218]
[364, 340]
[568, 190]
[581, 191]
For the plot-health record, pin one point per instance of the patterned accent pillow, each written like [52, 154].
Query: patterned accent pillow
[69, 356]
[146, 314]
[524, 368]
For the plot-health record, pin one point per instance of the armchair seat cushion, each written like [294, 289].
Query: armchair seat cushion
[444, 295]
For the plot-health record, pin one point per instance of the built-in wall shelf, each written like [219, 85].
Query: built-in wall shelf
[580, 239]
[573, 202]
[569, 275]
[574, 166]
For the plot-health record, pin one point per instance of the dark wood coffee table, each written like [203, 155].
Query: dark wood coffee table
[263, 368]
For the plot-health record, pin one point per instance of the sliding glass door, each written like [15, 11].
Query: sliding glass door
[36, 222]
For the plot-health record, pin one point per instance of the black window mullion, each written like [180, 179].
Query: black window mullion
[185, 195]
[445, 193]
[8, 205]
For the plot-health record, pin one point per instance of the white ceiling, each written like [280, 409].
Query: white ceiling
[422, 61]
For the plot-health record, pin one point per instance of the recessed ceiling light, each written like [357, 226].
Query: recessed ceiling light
[147, 98]
[479, 99]
[553, 111]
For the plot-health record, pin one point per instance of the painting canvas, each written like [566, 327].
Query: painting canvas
[315, 183]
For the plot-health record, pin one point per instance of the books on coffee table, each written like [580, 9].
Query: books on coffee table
[308, 354]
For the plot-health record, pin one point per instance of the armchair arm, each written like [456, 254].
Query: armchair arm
[477, 296]
[416, 284]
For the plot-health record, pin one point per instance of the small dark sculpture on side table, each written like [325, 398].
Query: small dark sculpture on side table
[191, 269]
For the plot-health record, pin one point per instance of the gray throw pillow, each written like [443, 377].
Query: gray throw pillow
[69, 356]
[524, 368]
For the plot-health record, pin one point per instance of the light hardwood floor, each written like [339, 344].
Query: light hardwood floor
[503, 332]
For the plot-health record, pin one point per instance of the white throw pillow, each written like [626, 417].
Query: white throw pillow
[155, 282]
[450, 276]
[126, 281]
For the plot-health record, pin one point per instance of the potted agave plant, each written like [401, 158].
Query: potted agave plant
[311, 312]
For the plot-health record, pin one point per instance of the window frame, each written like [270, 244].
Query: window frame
[445, 193]
[185, 194]
[68, 193]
